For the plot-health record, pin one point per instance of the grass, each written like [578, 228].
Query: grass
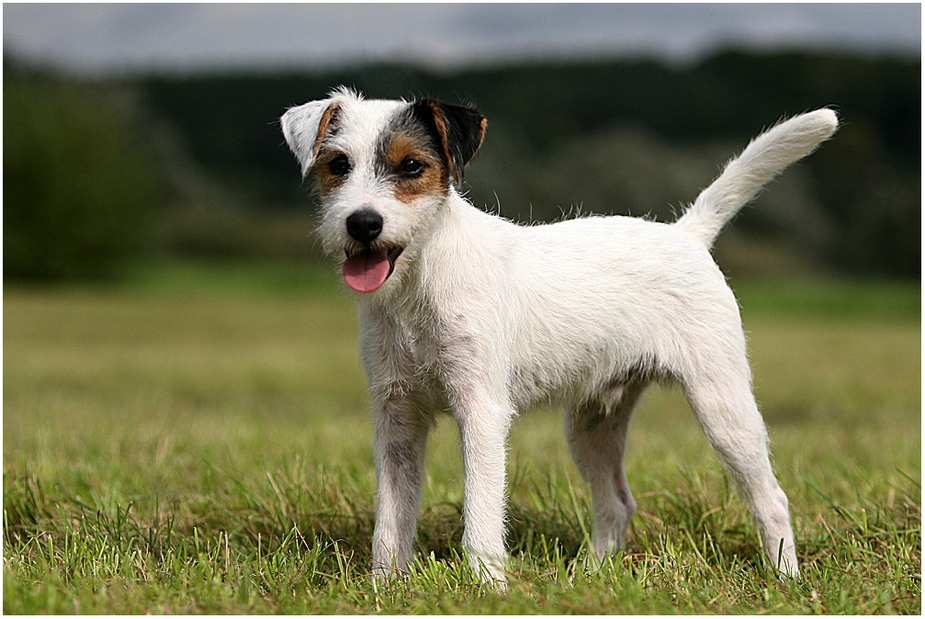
[199, 442]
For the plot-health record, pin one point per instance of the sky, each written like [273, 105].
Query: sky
[119, 38]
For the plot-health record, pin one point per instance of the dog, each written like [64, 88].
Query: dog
[464, 312]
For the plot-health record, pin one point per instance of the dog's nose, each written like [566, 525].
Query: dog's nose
[364, 225]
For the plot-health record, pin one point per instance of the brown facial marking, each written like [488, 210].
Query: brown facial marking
[322, 179]
[408, 159]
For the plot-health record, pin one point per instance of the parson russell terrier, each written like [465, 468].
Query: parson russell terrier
[464, 312]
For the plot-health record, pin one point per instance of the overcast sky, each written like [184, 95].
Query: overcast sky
[118, 37]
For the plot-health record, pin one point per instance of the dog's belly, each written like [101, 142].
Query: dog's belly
[532, 386]
[572, 368]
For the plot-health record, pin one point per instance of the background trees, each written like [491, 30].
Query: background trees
[195, 165]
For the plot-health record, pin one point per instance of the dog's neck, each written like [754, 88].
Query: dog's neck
[426, 282]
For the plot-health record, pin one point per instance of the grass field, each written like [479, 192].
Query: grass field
[199, 442]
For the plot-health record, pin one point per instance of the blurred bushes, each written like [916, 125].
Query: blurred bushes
[79, 183]
[620, 136]
[99, 174]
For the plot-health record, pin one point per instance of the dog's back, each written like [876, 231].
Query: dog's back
[651, 286]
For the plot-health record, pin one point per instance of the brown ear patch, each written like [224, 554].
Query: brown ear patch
[458, 130]
[326, 118]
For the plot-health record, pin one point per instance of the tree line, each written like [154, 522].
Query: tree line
[615, 136]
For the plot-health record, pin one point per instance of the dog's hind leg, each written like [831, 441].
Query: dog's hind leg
[596, 435]
[726, 409]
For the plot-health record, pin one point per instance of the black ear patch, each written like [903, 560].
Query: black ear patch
[457, 130]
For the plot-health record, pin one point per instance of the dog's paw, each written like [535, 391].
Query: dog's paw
[490, 571]
[383, 574]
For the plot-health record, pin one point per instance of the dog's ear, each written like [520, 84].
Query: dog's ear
[304, 128]
[459, 131]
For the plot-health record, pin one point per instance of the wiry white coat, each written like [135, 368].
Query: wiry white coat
[483, 318]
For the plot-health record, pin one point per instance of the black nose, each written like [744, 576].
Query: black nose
[364, 225]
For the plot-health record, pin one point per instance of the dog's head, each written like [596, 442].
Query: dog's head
[383, 170]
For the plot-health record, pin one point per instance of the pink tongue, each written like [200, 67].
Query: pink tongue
[365, 271]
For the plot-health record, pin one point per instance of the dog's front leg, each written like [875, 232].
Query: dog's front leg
[483, 426]
[400, 444]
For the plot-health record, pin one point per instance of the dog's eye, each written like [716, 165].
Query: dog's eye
[339, 165]
[412, 167]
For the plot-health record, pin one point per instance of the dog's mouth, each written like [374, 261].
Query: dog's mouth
[366, 269]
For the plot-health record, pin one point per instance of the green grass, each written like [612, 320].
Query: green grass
[199, 442]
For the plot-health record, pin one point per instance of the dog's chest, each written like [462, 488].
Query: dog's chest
[403, 348]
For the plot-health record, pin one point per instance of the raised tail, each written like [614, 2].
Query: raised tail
[764, 158]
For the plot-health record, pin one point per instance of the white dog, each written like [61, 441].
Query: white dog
[464, 312]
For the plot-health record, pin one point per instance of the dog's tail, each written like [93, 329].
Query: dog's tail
[764, 158]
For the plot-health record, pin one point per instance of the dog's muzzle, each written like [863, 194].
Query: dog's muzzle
[367, 268]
